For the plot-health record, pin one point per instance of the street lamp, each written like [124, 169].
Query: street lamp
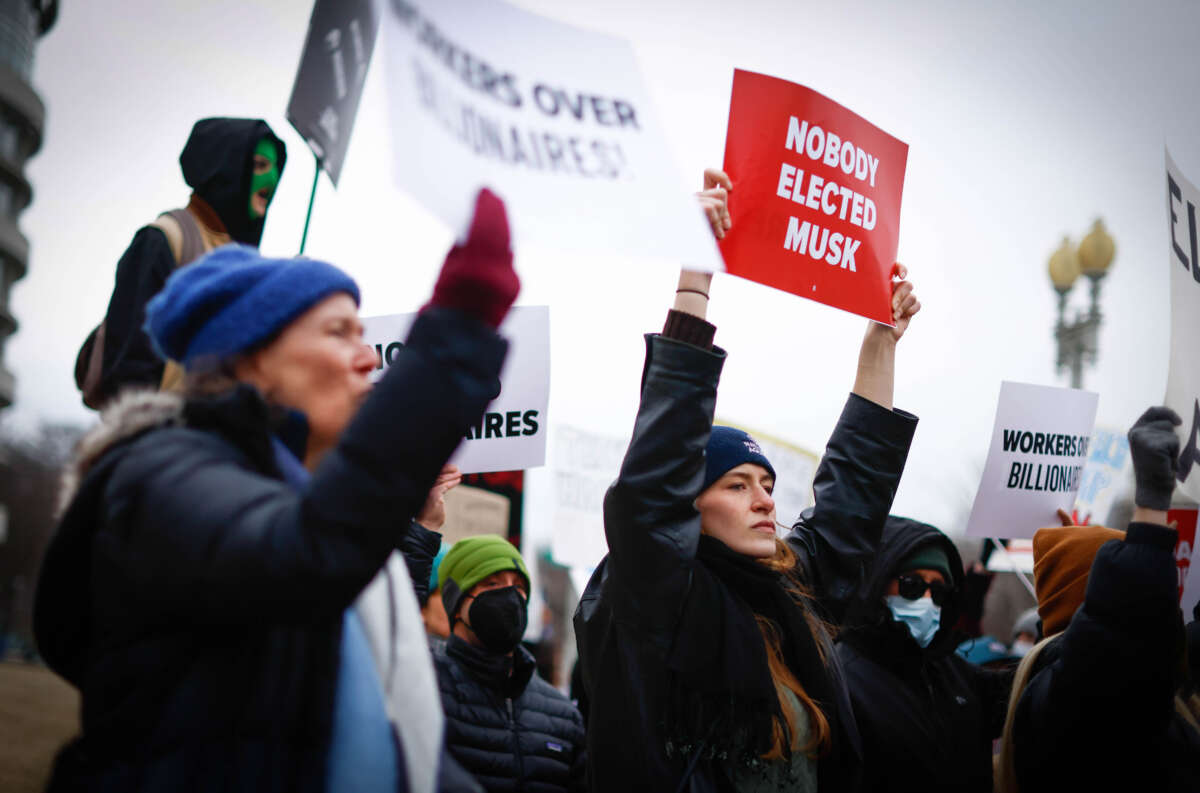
[1078, 341]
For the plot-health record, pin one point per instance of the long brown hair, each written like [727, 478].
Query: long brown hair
[820, 734]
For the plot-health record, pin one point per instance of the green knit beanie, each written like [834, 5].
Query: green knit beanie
[927, 556]
[470, 561]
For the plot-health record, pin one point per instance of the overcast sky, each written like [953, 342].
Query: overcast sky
[1025, 121]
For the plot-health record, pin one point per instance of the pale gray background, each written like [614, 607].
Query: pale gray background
[1024, 120]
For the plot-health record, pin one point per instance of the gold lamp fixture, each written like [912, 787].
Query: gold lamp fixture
[1096, 251]
[1064, 267]
[1078, 338]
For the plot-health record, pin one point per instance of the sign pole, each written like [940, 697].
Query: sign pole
[1013, 564]
[311, 197]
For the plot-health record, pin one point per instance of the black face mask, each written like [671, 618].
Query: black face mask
[498, 618]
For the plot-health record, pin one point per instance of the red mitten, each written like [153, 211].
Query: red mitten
[477, 276]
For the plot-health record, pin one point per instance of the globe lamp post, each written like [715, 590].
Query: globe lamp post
[1078, 339]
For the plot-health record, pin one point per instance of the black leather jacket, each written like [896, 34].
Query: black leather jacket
[626, 620]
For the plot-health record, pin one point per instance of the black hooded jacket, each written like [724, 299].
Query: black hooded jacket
[926, 716]
[217, 162]
[1099, 710]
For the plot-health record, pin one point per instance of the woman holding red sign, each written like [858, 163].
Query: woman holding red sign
[703, 638]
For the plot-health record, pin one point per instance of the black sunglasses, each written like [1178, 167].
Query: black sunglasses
[912, 587]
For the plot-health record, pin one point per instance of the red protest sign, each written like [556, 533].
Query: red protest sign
[816, 198]
[1184, 519]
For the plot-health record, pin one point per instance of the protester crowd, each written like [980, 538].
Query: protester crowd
[249, 588]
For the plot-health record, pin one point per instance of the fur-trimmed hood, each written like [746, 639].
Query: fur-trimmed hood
[239, 418]
[130, 414]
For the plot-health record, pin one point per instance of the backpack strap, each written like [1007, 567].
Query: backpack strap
[183, 235]
[187, 245]
[1003, 765]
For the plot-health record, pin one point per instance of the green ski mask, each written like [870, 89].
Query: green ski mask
[269, 179]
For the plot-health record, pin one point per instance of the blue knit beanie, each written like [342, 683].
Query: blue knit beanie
[233, 300]
[728, 448]
[434, 583]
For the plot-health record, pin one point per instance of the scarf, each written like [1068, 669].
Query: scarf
[721, 699]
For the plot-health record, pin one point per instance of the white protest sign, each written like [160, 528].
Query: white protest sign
[552, 118]
[1017, 557]
[585, 463]
[1105, 475]
[1183, 376]
[1039, 445]
[472, 511]
[511, 436]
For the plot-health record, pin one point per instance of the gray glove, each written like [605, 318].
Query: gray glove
[1155, 449]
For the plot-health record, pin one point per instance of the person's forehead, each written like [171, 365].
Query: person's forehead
[926, 573]
[503, 576]
[750, 471]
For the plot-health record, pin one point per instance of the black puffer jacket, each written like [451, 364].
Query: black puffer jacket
[629, 614]
[1099, 711]
[196, 599]
[524, 737]
[927, 717]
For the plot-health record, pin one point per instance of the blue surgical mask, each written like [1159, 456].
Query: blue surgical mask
[922, 617]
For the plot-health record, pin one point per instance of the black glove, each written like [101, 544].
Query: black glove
[1155, 449]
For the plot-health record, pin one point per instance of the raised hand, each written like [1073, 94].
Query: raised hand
[1154, 447]
[433, 515]
[477, 277]
[714, 200]
[904, 303]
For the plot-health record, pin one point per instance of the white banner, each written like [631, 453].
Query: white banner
[511, 436]
[552, 118]
[1039, 445]
[1107, 473]
[1183, 376]
[585, 464]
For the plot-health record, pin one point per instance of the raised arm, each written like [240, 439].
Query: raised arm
[650, 521]
[876, 376]
[252, 547]
[1117, 659]
[857, 478]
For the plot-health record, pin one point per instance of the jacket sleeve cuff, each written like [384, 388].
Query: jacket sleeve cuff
[679, 360]
[1152, 534]
[689, 328]
[894, 426]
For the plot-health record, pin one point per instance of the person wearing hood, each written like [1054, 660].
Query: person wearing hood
[233, 166]
[504, 724]
[926, 715]
[204, 589]
[1026, 632]
[1106, 700]
[702, 636]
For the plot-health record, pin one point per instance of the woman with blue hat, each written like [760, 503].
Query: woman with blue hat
[702, 635]
[199, 589]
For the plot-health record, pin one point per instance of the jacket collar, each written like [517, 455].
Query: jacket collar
[240, 415]
[506, 675]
